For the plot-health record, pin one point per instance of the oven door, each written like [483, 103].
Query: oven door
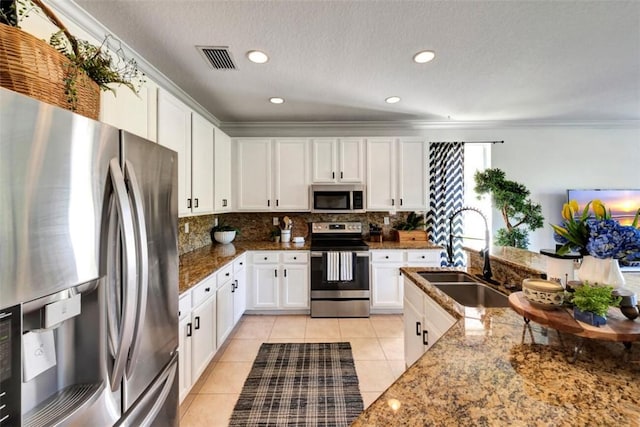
[320, 283]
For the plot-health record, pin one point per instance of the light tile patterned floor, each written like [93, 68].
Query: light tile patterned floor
[377, 344]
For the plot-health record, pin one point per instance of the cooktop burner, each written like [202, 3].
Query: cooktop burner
[337, 236]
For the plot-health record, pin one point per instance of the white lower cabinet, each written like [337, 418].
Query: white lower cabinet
[386, 277]
[425, 321]
[184, 345]
[280, 280]
[240, 291]
[203, 320]
[224, 304]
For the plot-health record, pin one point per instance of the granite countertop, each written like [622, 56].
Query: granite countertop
[200, 263]
[197, 265]
[481, 372]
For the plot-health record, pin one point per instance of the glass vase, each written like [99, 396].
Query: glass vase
[601, 271]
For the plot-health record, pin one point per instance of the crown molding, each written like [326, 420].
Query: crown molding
[407, 126]
[76, 14]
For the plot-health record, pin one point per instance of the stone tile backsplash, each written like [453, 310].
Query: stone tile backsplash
[258, 226]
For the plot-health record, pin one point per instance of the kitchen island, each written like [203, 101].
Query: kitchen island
[481, 372]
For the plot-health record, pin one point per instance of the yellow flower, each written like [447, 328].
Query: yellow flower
[573, 204]
[567, 212]
[598, 209]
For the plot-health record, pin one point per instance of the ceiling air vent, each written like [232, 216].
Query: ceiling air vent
[218, 57]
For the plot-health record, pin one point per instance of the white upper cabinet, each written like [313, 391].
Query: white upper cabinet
[337, 160]
[381, 174]
[132, 112]
[396, 174]
[412, 173]
[201, 165]
[174, 132]
[265, 186]
[291, 175]
[222, 171]
[253, 175]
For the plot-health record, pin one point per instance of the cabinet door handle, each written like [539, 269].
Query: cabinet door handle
[227, 274]
[276, 272]
[189, 203]
[333, 175]
[242, 263]
[285, 272]
[196, 202]
[425, 337]
[393, 202]
[197, 323]
[341, 175]
[189, 331]
[236, 284]
[224, 203]
[418, 328]
[399, 273]
[233, 287]
[400, 201]
[277, 202]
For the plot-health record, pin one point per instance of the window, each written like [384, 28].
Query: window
[477, 157]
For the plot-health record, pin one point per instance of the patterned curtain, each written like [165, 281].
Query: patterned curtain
[446, 190]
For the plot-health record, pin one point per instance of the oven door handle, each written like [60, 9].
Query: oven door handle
[358, 253]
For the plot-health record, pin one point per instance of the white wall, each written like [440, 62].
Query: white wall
[551, 160]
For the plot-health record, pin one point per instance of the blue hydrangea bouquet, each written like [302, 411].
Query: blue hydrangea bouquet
[595, 233]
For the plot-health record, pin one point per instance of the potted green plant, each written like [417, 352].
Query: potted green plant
[511, 198]
[411, 229]
[275, 235]
[68, 72]
[223, 233]
[591, 303]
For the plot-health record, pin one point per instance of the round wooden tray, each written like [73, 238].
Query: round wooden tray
[618, 328]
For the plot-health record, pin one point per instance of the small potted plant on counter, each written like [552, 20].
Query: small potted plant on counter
[411, 229]
[223, 233]
[591, 303]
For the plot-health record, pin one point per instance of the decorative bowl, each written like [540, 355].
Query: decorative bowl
[224, 237]
[543, 294]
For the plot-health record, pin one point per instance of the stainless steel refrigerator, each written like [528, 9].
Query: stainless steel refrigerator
[89, 267]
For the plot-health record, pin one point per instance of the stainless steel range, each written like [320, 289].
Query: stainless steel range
[339, 270]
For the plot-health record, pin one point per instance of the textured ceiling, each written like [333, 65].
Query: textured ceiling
[338, 60]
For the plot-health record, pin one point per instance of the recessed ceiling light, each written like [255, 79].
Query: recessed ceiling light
[424, 56]
[392, 99]
[276, 100]
[257, 56]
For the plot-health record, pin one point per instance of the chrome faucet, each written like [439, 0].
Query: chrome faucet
[486, 268]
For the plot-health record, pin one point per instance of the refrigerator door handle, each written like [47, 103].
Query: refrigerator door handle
[164, 383]
[143, 264]
[129, 270]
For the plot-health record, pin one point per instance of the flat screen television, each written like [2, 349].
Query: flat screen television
[623, 203]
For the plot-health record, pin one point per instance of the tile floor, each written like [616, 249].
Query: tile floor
[377, 344]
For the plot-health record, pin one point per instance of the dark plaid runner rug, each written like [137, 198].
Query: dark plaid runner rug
[300, 385]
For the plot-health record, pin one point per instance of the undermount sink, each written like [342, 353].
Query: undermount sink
[465, 289]
[474, 294]
[448, 277]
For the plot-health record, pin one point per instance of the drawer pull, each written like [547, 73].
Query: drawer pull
[418, 329]
[207, 289]
[189, 331]
[227, 274]
[425, 337]
[197, 326]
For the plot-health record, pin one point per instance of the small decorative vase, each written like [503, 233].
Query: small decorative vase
[605, 271]
[588, 317]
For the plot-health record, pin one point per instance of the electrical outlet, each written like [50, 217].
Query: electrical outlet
[276, 221]
[186, 227]
[386, 220]
[215, 222]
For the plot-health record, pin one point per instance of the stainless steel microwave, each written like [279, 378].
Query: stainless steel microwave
[337, 198]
